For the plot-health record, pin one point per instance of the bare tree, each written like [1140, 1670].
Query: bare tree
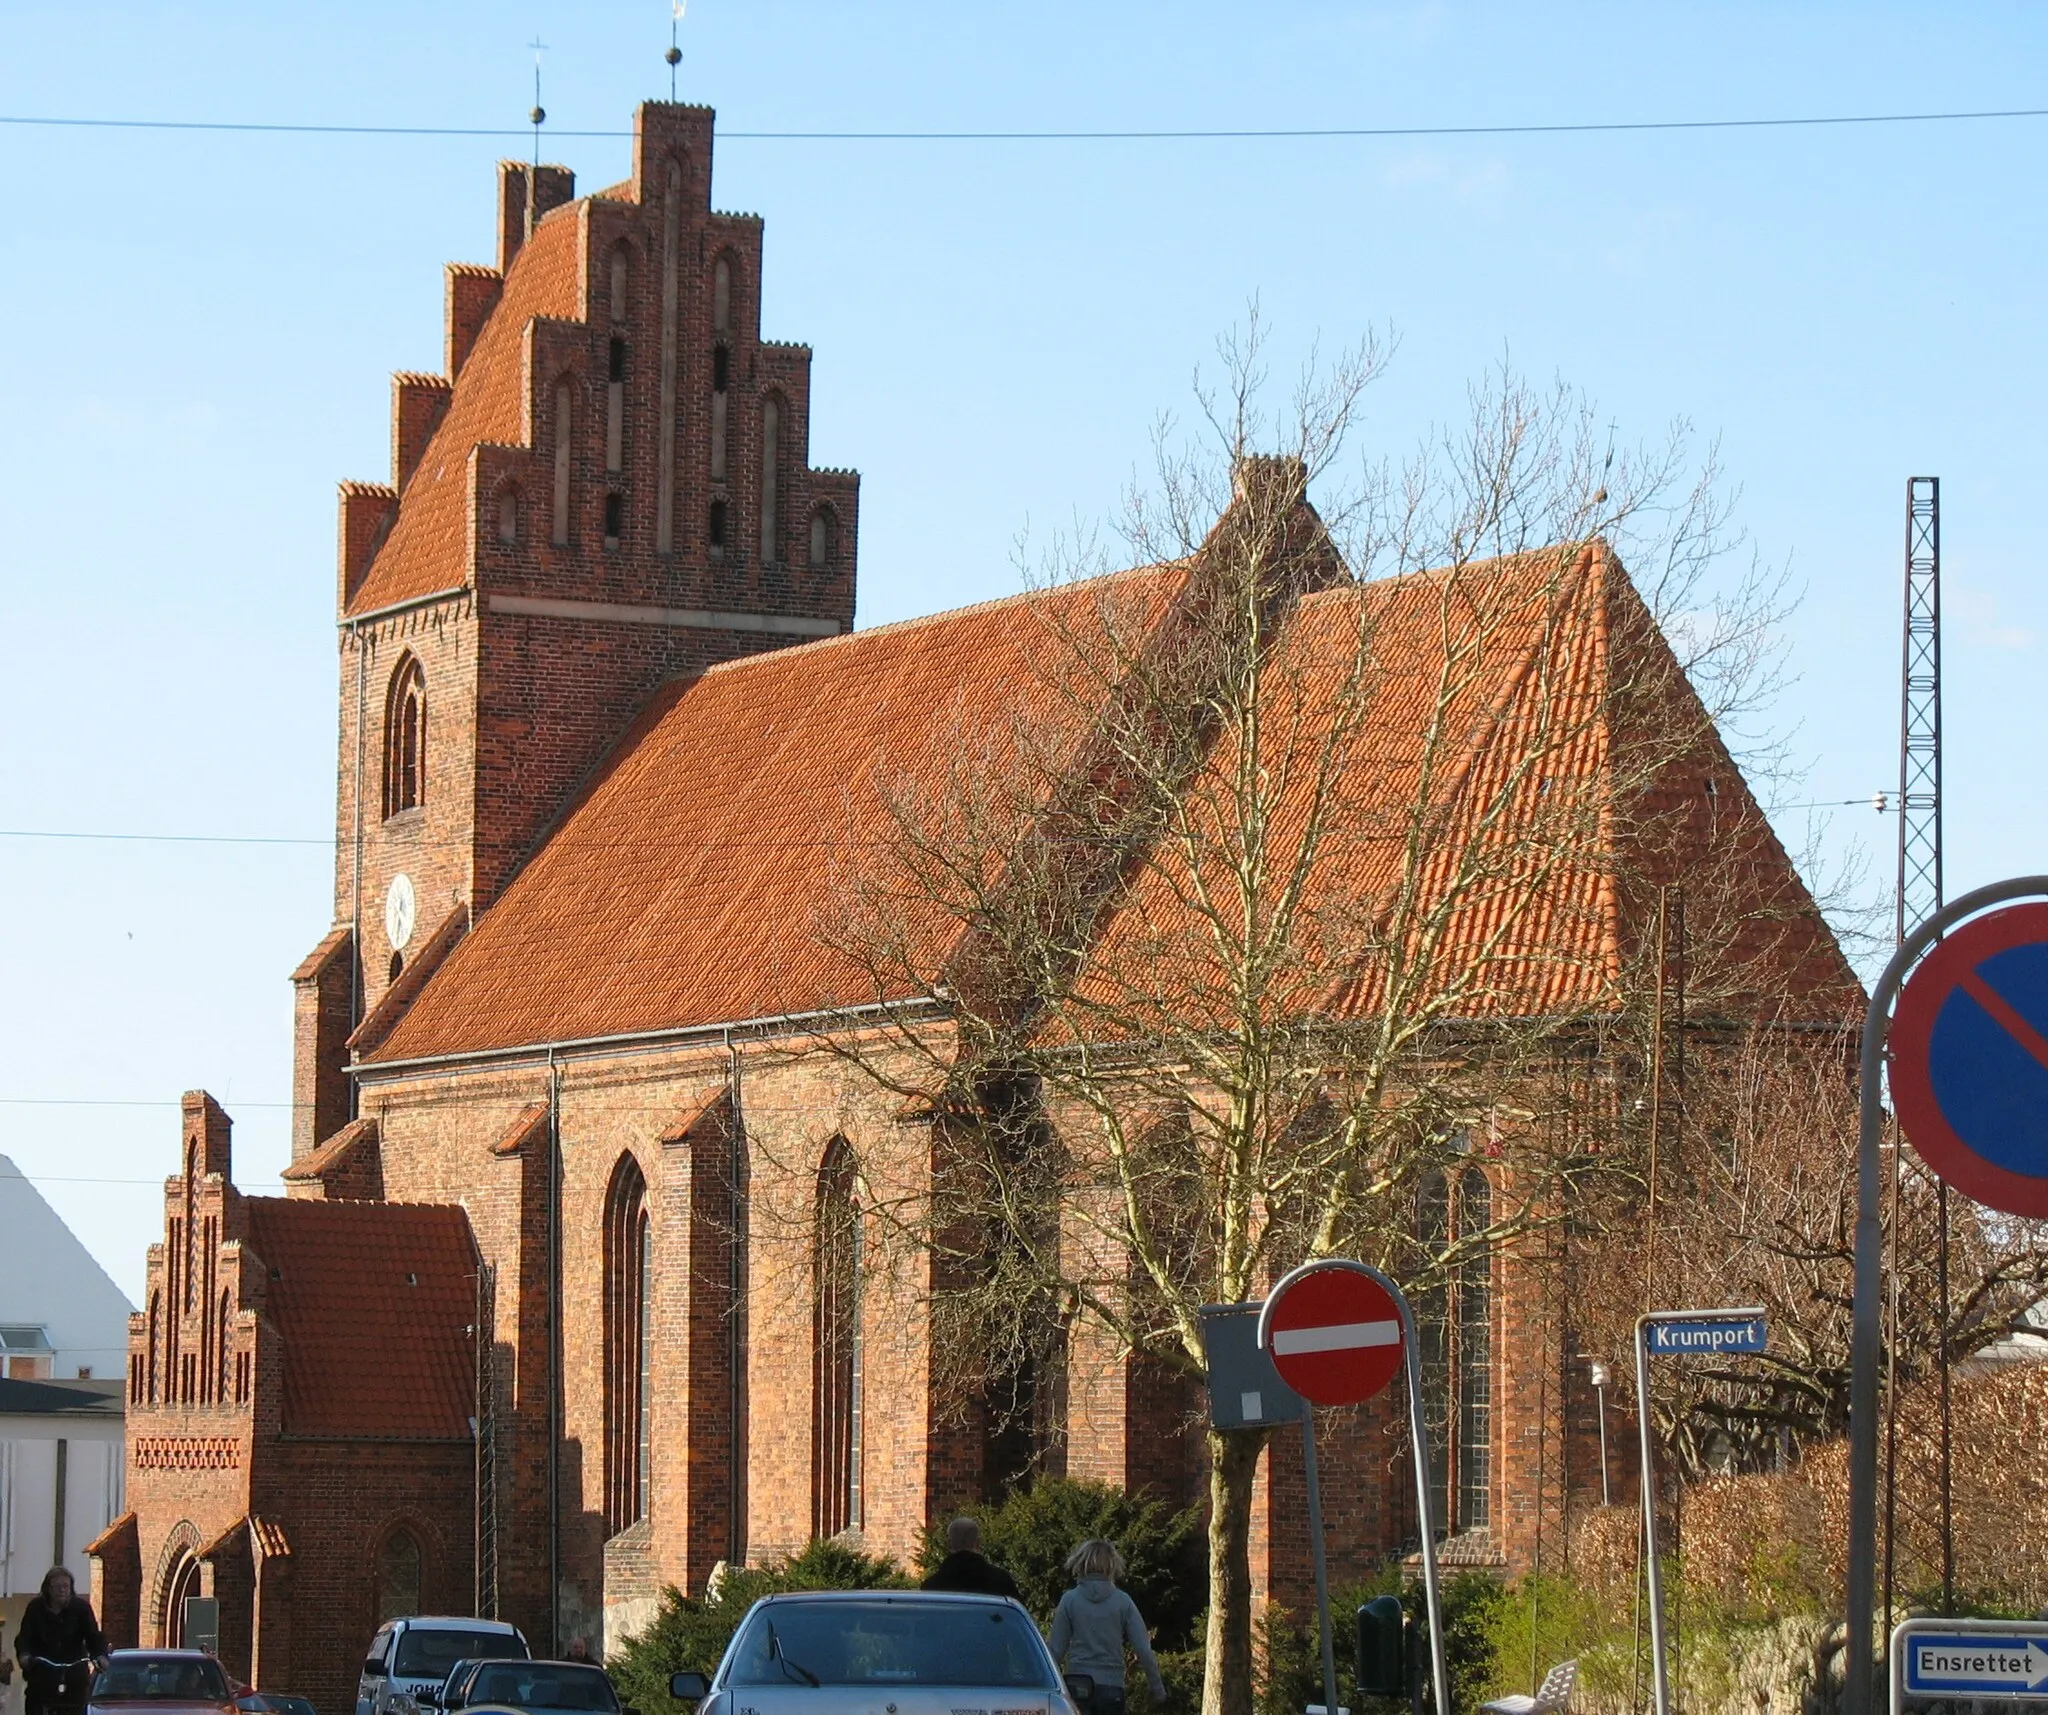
[1311, 859]
[1757, 1206]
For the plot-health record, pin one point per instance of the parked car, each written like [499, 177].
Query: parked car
[524, 1687]
[413, 1655]
[832, 1652]
[274, 1703]
[162, 1682]
[454, 1690]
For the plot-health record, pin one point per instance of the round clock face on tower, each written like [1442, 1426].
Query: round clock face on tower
[399, 909]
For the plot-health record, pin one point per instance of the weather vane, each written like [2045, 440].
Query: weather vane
[674, 56]
[539, 113]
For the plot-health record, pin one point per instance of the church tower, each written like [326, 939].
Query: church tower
[607, 486]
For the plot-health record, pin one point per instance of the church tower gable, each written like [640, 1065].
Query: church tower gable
[609, 486]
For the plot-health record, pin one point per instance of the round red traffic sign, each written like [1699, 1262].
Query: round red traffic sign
[1334, 1333]
[1969, 1059]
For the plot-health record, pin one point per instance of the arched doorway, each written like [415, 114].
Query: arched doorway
[182, 1582]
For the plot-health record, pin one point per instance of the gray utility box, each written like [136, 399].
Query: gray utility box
[1245, 1391]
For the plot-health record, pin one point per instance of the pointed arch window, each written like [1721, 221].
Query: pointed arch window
[628, 1397]
[224, 1371]
[824, 544]
[619, 280]
[405, 739]
[400, 1570]
[1454, 1329]
[771, 478]
[836, 1345]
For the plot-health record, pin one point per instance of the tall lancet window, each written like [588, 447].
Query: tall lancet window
[771, 472]
[836, 1347]
[564, 449]
[405, 739]
[1454, 1326]
[628, 1350]
[721, 361]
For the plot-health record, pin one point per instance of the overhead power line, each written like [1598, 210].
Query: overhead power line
[111, 1102]
[1188, 134]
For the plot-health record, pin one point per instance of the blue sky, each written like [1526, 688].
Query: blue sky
[201, 328]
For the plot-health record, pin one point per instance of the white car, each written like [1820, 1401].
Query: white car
[884, 1652]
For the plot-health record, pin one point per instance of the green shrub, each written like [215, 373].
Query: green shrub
[1287, 1664]
[1030, 1533]
[1182, 1671]
[1287, 1655]
[691, 1632]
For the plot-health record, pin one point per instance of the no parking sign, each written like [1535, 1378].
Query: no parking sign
[1969, 1059]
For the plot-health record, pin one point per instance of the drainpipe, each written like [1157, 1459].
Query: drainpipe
[355, 892]
[554, 1356]
[736, 1326]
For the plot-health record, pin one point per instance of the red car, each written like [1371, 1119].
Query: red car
[160, 1682]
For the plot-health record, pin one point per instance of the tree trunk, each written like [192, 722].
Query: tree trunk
[1227, 1661]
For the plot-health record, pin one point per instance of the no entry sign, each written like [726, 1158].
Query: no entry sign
[1335, 1334]
[1969, 1059]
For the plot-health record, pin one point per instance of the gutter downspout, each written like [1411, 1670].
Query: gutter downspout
[736, 1298]
[355, 892]
[554, 1357]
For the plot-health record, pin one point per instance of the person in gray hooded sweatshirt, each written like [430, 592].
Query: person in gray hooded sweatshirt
[1096, 1622]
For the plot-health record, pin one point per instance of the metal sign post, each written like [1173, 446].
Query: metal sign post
[1866, 1339]
[1677, 1333]
[1977, 1659]
[1337, 1330]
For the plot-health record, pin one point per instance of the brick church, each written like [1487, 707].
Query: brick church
[513, 1342]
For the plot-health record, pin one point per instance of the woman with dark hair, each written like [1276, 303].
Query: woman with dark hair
[58, 1628]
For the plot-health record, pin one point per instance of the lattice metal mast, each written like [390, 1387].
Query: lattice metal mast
[1919, 890]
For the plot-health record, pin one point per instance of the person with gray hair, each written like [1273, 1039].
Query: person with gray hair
[966, 1568]
[1096, 1623]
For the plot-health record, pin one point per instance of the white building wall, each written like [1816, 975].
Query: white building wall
[48, 1278]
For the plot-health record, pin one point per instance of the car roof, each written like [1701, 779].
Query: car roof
[159, 1654]
[920, 1597]
[456, 1623]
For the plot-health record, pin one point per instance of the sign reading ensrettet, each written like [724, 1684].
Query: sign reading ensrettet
[1969, 1658]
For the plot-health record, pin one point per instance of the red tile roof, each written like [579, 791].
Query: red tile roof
[428, 549]
[688, 887]
[373, 1302]
[314, 1166]
[685, 888]
[117, 1529]
[525, 1127]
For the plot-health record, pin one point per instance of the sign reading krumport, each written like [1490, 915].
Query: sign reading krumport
[1678, 1334]
[1706, 1336]
[1969, 1658]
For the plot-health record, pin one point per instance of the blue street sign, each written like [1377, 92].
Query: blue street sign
[1705, 1336]
[1957, 1663]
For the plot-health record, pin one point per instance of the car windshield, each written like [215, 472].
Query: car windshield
[542, 1685]
[890, 1643]
[425, 1654]
[161, 1679]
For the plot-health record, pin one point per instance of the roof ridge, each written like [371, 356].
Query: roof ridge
[1018, 598]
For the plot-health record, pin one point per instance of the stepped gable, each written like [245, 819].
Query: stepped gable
[373, 1303]
[428, 549]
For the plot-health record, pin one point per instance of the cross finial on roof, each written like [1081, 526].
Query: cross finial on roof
[538, 116]
[674, 56]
